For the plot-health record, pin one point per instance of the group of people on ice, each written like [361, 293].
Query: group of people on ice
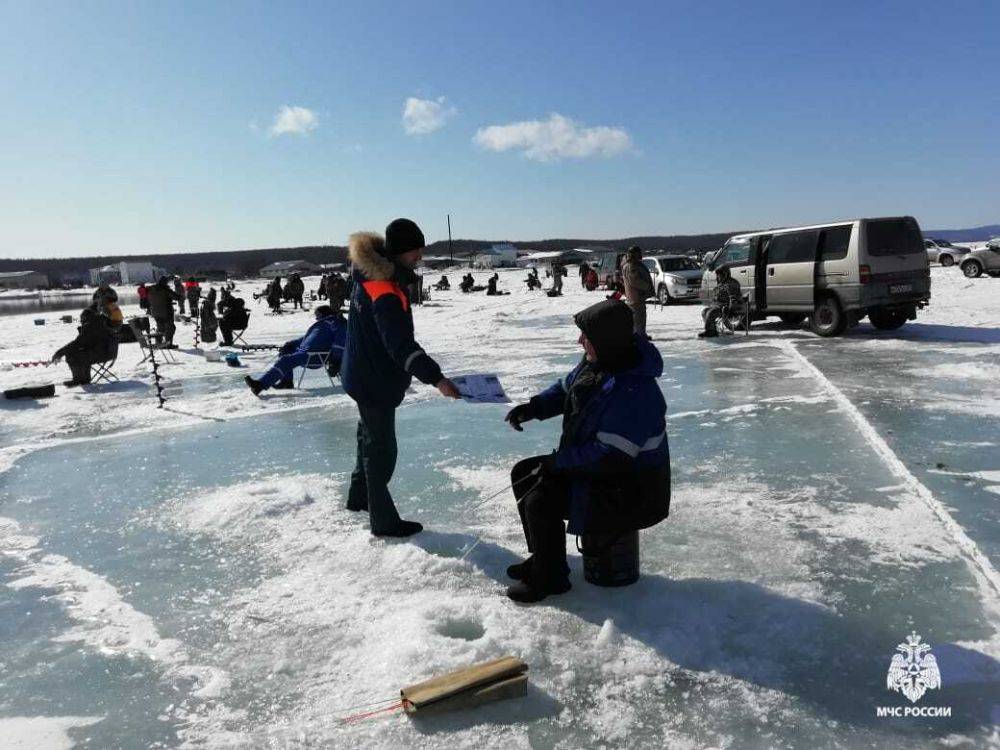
[611, 470]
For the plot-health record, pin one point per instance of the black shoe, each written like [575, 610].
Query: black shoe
[73, 383]
[401, 529]
[707, 335]
[535, 591]
[356, 508]
[254, 385]
[520, 571]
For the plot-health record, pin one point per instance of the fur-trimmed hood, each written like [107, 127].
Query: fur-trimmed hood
[365, 250]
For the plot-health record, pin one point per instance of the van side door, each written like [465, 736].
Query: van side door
[791, 269]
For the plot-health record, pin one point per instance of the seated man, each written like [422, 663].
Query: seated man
[234, 318]
[444, 285]
[532, 280]
[491, 286]
[96, 342]
[727, 296]
[611, 472]
[467, 283]
[327, 334]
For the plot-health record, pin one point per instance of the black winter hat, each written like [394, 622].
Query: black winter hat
[608, 326]
[402, 236]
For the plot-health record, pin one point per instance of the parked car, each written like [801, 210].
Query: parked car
[943, 252]
[675, 277]
[985, 260]
[834, 274]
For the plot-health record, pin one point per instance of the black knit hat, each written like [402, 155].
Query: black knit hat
[402, 236]
[608, 326]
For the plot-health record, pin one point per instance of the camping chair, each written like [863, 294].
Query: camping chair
[315, 360]
[736, 316]
[150, 341]
[238, 339]
[101, 372]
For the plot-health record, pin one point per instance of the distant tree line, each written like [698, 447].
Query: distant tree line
[249, 262]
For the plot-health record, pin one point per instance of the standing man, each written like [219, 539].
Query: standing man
[638, 284]
[379, 362]
[161, 298]
[179, 289]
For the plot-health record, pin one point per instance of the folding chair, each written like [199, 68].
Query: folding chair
[150, 341]
[320, 359]
[101, 372]
[731, 314]
[238, 339]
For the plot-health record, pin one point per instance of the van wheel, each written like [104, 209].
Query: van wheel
[887, 320]
[946, 260]
[792, 319]
[828, 319]
[664, 295]
[972, 269]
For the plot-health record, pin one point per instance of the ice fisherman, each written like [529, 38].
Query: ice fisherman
[95, 342]
[727, 294]
[638, 284]
[160, 299]
[326, 335]
[611, 472]
[380, 360]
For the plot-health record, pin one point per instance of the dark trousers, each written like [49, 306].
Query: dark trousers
[712, 320]
[375, 464]
[165, 325]
[79, 365]
[543, 505]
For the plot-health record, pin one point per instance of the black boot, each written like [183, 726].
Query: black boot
[529, 592]
[254, 385]
[520, 571]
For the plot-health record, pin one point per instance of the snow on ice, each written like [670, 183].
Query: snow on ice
[188, 576]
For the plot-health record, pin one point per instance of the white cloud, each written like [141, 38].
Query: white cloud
[556, 138]
[421, 116]
[294, 120]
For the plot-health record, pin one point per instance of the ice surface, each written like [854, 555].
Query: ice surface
[191, 578]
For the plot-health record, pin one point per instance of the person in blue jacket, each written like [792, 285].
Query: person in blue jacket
[611, 472]
[380, 360]
[327, 334]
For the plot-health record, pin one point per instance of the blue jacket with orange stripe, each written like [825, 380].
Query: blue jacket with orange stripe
[381, 355]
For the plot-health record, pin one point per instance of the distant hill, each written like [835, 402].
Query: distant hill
[976, 234]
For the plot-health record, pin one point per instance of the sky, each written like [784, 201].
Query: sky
[136, 127]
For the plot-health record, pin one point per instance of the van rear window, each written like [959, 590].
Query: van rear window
[893, 237]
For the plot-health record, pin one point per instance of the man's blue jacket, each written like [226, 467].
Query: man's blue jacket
[614, 452]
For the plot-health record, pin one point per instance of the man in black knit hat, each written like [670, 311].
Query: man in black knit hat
[380, 359]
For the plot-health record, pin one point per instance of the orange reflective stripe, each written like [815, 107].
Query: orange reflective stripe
[378, 289]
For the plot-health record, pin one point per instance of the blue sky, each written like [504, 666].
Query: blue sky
[139, 127]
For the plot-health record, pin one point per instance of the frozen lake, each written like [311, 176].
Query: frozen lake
[196, 581]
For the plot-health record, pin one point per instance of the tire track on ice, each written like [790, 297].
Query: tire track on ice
[980, 564]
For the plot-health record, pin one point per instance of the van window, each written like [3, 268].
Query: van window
[893, 237]
[678, 264]
[794, 247]
[835, 242]
[734, 254]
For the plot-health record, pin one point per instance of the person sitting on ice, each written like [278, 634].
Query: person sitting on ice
[234, 318]
[96, 342]
[327, 334]
[467, 283]
[611, 472]
[444, 285]
[727, 295]
[491, 286]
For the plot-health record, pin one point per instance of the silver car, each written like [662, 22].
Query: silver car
[675, 277]
[986, 260]
[943, 252]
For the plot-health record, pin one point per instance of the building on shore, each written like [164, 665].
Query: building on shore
[285, 268]
[501, 255]
[127, 273]
[23, 280]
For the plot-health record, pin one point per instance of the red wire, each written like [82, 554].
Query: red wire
[354, 718]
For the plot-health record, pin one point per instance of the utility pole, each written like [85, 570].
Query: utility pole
[451, 253]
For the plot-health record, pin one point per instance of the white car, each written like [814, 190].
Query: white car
[943, 252]
[675, 277]
[994, 243]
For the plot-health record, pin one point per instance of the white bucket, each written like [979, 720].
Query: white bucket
[213, 355]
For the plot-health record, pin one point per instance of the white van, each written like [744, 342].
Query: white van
[835, 274]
